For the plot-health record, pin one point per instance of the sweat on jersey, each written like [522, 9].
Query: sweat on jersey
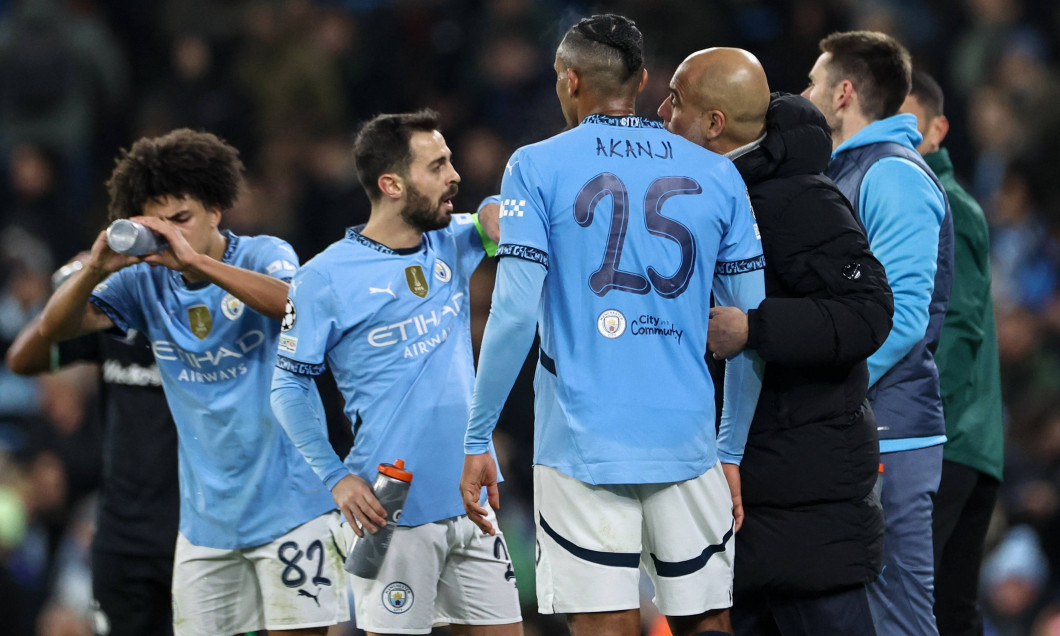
[394, 328]
[633, 224]
[242, 482]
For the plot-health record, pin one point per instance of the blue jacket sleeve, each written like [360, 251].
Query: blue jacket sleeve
[743, 372]
[902, 211]
[509, 333]
[291, 397]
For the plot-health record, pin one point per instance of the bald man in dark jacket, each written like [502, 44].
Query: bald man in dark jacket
[813, 529]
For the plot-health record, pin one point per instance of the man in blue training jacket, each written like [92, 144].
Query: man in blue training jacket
[859, 82]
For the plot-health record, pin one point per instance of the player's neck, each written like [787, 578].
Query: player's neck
[391, 230]
[216, 251]
[601, 105]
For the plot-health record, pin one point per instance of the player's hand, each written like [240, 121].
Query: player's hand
[102, 261]
[480, 470]
[726, 332]
[179, 254]
[355, 499]
[732, 475]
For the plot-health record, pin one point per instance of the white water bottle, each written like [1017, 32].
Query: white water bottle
[391, 487]
[133, 239]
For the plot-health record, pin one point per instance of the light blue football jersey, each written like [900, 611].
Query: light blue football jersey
[633, 224]
[394, 328]
[242, 481]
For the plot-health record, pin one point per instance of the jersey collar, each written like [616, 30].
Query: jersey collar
[354, 234]
[628, 121]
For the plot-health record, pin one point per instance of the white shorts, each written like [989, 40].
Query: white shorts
[446, 572]
[593, 540]
[294, 582]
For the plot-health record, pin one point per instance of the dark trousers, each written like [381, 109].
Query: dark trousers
[134, 593]
[845, 612]
[963, 508]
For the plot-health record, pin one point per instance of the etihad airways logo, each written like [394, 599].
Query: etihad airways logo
[240, 348]
[414, 327]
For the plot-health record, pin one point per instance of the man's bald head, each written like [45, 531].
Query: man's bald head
[718, 99]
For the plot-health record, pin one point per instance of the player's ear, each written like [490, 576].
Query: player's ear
[573, 82]
[643, 80]
[391, 185]
[939, 128]
[214, 216]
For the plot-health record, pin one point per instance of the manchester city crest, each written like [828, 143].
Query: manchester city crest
[397, 597]
[442, 271]
[611, 323]
[200, 321]
[231, 307]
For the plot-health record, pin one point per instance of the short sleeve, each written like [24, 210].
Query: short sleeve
[741, 244]
[468, 241]
[118, 298]
[523, 216]
[309, 327]
[276, 258]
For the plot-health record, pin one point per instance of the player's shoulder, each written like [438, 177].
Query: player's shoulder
[262, 253]
[260, 242]
[333, 260]
[549, 147]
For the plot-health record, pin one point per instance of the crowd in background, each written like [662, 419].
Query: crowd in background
[287, 81]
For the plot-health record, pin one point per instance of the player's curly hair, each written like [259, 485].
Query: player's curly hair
[878, 66]
[608, 47]
[181, 163]
[382, 145]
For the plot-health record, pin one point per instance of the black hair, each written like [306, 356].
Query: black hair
[928, 93]
[876, 64]
[382, 145]
[609, 47]
[181, 163]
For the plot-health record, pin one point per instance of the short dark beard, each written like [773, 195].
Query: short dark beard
[422, 214]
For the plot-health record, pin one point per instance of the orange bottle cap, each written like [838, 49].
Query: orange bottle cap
[396, 470]
[881, 466]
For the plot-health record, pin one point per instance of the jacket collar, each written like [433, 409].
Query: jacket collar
[940, 163]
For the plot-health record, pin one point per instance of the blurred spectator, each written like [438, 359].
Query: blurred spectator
[25, 266]
[197, 96]
[34, 201]
[62, 78]
[1014, 578]
[289, 70]
[1025, 258]
[330, 198]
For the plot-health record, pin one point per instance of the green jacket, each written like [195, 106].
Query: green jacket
[967, 355]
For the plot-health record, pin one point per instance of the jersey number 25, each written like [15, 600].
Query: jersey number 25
[609, 276]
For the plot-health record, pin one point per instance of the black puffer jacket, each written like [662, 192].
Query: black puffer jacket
[812, 455]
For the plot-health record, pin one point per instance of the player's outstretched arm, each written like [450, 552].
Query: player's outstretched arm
[261, 292]
[68, 313]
